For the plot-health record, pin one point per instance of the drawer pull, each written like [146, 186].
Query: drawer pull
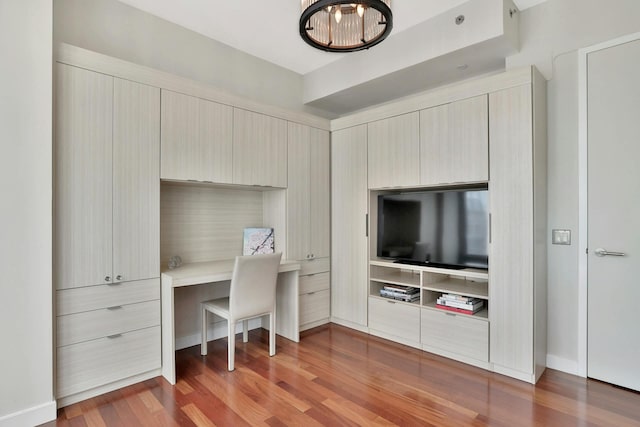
[114, 336]
[451, 314]
[115, 307]
[391, 302]
[311, 293]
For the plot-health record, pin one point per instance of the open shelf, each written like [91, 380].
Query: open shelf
[471, 273]
[460, 287]
[395, 277]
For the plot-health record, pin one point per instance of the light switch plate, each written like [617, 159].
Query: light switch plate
[561, 237]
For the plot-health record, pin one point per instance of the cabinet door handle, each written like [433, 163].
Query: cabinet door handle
[107, 278]
[119, 277]
[366, 225]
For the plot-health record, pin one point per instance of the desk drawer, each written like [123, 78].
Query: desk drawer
[316, 265]
[395, 318]
[314, 306]
[460, 334]
[313, 283]
[99, 362]
[89, 325]
[77, 300]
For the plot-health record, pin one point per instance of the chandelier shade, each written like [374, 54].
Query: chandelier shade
[340, 26]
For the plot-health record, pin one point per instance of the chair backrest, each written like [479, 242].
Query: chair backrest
[253, 285]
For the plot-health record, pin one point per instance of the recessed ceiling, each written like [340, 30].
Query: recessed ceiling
[268, 29]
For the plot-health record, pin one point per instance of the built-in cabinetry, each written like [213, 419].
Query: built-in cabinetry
[107, 214]
[490, 131]
[420, 323]
[196, 139]
[308, 211]
[259, 149]
[349, 200]
[392, 147]
[517, 256]
[454, 142]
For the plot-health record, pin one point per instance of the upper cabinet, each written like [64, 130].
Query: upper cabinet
[107, 210]
[259, 149]
[454, 142]
[393, 147]
[308, 198]
[196, 139]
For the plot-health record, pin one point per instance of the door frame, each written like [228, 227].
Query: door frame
[583, 228]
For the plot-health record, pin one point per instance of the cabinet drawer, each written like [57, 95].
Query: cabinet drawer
[77, 300]
[314, 306]
[458, 334]
[316, 265]
[395, 318]
[99, 362]
[314, 283]
[89, 325]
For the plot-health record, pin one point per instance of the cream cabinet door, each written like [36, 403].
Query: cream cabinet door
[454, 144]
[393, 151]
[320, 193]
[259, 149]
[349, 225]
[82, 176]
[298, 194]
[136, 181]
[308, 200]
[196, 139]
[511, 250]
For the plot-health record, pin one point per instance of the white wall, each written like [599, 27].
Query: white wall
[551, 34]
[26, 322]
[121, 31]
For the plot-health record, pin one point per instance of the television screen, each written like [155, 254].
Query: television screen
[447, 228]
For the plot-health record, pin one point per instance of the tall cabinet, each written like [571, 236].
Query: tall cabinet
[308, 211]
[517, 196]
[349, 198]
[107, 216]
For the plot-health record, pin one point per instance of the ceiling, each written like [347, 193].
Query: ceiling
[446, 53]
[268, 29]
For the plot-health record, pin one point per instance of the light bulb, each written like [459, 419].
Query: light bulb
[329, 9]
[338, 14]
[360, 10]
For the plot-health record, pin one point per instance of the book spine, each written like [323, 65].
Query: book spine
[407, 290]
[459, 298]
[399, 296]
[458, 304]
[454, 309]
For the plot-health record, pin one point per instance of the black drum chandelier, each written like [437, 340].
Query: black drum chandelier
[340, 26]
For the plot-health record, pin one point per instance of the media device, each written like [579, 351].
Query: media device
[441, 228]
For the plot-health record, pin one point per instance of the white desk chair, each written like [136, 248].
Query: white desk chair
[252, 294]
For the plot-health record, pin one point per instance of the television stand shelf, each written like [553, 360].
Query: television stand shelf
[421, 323]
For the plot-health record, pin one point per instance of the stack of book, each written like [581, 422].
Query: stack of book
[459, 303]
[401, 293]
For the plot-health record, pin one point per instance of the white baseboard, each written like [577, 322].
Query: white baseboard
[562, 364]
[30, 417]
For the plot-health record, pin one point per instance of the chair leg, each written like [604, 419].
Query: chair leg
[203, 343]
[231, 341]
[245, 331]
[272, 333]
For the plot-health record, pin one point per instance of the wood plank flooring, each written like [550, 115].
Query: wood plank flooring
[339, 377]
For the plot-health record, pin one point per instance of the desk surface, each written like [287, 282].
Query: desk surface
[196, 273]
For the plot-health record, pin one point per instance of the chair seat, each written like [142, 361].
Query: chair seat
[219, 306]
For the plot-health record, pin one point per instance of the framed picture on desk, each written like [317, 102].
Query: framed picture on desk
[258, 241]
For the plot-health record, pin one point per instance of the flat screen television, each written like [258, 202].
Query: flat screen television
[442, 228]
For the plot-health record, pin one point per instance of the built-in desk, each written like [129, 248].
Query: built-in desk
[220, 272]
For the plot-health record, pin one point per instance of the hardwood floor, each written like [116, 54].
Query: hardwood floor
[340, 377]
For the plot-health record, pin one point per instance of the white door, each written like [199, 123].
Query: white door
[614, 214]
